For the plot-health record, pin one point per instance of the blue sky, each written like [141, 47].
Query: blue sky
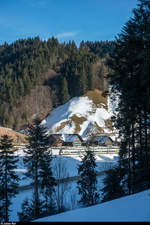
[77, 20]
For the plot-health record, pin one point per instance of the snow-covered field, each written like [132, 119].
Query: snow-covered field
[103, 161]
[71, 198]
[134, 208]
[69, 167]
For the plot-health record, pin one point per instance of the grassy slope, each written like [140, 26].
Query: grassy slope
[97, 98]
[16, 136]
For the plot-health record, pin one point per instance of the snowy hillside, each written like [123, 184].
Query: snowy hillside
[82, 115]
[130, 208]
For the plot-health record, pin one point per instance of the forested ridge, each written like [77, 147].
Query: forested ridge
[65, 69]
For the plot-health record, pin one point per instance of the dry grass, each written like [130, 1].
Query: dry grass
[16, 136]
[78, 121]
[97, 98]
[63, 124]
[108, 124]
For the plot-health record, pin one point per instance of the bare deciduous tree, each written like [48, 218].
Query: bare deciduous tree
[60, 173]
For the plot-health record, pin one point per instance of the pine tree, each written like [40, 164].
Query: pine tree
[82, 82]
[27, 213]
[64, 91]
[48, 185]
[113, 185]
[37, 161]
[8, 178]
[90, 78]
[130, 77]
[88, 181]
[21, 87]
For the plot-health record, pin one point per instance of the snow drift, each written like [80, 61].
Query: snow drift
[133, 208]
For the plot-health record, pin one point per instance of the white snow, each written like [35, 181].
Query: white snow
[134, 208]
[100, 116]
[113, 102]
[77, 105]
[103, 161]
[17, 202]
[81, 107]
[69, 127]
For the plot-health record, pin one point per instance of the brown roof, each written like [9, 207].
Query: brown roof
[56, 138]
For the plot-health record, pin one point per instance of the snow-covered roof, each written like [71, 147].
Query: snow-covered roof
[67, 137]
[70, 137]
[101, 139]
[56, 135]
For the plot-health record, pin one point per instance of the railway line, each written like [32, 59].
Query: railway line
[79, 151]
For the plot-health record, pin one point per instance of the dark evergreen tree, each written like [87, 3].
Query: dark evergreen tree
[90, 78]
[87, 184]
[27, 213]
[113, 184]
[8, 177]
[21, 87]
[64, 95]
[82, 85]
[48, 185]
[37, 161]
[100, 48]
[130, 78]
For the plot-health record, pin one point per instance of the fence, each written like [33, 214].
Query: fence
[68, 150]
[81, 150]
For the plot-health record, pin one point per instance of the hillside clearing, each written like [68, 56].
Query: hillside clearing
[16, 136]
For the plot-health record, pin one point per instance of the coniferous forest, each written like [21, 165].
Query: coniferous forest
[24, 64]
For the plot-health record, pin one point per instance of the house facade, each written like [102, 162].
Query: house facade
[72, 140]
[75, 140]
[101, 141]
[55, 140]
[58, 140]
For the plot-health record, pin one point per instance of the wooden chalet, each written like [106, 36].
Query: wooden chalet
[55, 140]
[72, 140]
[101, 141]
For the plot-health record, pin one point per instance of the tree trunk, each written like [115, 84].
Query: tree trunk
[6, 193]
[36, 194]
[140, 141]
[129, 171]
[133, 155]
[146, 138]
